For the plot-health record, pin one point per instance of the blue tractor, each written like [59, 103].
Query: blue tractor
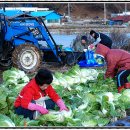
[19, 43]
[20, 35]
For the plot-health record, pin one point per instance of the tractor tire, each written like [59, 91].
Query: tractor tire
[5, 66]
[27, 57]
[70, 59]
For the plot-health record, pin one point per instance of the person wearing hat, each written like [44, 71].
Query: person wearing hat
[118, 65]
[83, 46]
[80, 43]
[100, 38]
[32, 101]
[84, 40]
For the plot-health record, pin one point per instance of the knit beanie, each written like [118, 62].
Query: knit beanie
[84, 38]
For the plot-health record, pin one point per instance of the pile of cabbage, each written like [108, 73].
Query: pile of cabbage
[92, 101]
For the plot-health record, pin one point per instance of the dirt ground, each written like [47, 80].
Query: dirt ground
[51, 66]
[55, 67]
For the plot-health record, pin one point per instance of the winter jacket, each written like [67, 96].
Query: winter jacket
[103, 39]
[78, 47]
[33, 92]
[116, 59]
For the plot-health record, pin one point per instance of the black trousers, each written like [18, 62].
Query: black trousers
[1, 41]
[121, 77]
[1, 47]
[28, 113]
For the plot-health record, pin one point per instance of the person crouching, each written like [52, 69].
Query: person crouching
[31, 102]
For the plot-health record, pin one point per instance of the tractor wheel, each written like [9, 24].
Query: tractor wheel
[27, 57]
[70, 59]
[5, 65]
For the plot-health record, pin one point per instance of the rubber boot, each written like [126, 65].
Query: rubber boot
[127, 85]
[120, 88]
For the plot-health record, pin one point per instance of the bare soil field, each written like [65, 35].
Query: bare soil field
[51, 66]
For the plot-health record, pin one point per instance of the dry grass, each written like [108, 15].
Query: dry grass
[120, 39]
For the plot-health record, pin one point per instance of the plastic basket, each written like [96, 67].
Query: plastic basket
[83, 63]
[125, 122]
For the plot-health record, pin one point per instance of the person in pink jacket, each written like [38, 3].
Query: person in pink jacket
[32, 99]
[118, 64]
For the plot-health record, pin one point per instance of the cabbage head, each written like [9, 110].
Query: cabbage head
[5, 121]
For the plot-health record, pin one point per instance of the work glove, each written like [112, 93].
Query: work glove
[85, 50]
[91, 47]
[61, 104]
[42, 110]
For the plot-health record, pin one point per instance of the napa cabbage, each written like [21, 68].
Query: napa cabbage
[125, 98]
[89, 123]
[55, 116]
[5, 121]
[15, 76]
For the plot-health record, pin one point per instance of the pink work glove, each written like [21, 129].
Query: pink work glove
[42, 110]
[91, 46]
[61, 104]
